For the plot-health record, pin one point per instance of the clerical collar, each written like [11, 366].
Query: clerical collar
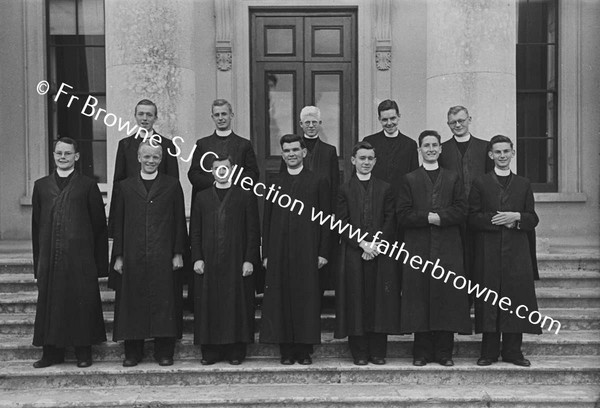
[463, 139]
[223, 133]
[501, 173]
[363, 177]
[146, 176]
[311, 137]
[295, 172]
[431, 166]
[223, 186]
[64, 173]
[395, 134]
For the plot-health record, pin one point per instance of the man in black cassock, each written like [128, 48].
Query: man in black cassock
[396, 153]
[502, 215]
[294, 250]
[70, 252]
[468, 156]
[225, 237]
[431, 208]
[367, 282]
[150, 236]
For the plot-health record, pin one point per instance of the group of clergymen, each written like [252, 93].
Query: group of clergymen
[463, 206]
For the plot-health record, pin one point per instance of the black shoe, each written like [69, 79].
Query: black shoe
[207, 362]
[377, 360]
[235, 362]
[361, 361]
[419, 362]
[523, 362]
[46, 362]
[287, 361]
[84, 363]
[130, 362]
[446, 362]
[305, 361]
[486, 361]
[164, 361]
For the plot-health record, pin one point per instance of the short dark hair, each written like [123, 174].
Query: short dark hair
[362, 145]
[387, 105]
[67, 140]
[221, 158]
[458, 108]
[426, 133]
[221, 102]
[146, 102]
[291, 138]
[499, 139]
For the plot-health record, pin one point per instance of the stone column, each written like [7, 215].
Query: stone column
[150, 54]
[471, 62]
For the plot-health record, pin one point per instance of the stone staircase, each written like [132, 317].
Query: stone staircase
[565, 369]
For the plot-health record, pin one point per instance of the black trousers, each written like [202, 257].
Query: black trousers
[164, 347]
[368, 345]
[82, 353]
[295, 350]
[218, 352]
[433, 345]
[511, 345]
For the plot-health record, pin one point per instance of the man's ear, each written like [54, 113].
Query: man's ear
[76, 156]
[491, 155]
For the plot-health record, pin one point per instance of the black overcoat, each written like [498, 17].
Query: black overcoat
[430, 304]
[504, 257]
[150, 228]
[367, 292]
[224, 235]
[70, 252]
[292, 243]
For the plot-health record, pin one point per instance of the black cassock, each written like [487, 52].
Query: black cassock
[292, 243]
[70, 252]
[505, 258]
[367, 292]
[430, 304]
[150, 229]
[224, 234]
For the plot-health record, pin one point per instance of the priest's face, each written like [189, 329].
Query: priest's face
[221, 170]
[293, 154]
[364, 160]
[65, 156]
[222, 116]
[430, 149]
[459, 123]
[502, 154]
[311, 125]
[389, 120]
[149, 158]
[145, 116]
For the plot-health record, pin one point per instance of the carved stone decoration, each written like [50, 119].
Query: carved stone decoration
[383, 60]
[224, 60]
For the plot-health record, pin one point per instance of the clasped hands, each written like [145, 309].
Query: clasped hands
[370, 250]
[507, 218]
[247, 268]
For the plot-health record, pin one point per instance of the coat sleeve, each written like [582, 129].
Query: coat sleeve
[408, 215]
[252, 230]
[35, 226]
[325, 206]
[342, 213]
[389, 214]
[529, 219]
[118, 221]
[478, 219]
[120, 174]
[334, 174]
[456, 213]
[99, 228]
[267, 212]
[172, 166]
[250, 164]
[196, 231]
[180, 227]
[199, 178]
[414, 156]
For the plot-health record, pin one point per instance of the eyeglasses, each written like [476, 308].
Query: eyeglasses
[457, 122]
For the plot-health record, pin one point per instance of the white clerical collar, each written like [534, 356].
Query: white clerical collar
[463, 139]
[431, 166]
[223, 133]
[65, 173]
[223, 186]
[311, 137]
[146, 176]
[363, 177]
[501, 173]
[395, 134]
[295, 172]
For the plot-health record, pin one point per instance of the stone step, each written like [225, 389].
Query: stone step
[315, 396]
[566, 343]
[550, 370]
[20, 282]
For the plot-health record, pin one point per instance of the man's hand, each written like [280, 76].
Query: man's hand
[199, 267]
[367, 257]
[434, 219]
[247, 269]
[265, 263]
[322, 262]
[369, 247]
[119, 265]
[506, 218]
[177, 262]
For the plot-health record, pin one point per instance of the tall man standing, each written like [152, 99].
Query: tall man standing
[294, 250]
[225, 237]
[502, 215]
[70, 252]
[431, 208]
[150, 236]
